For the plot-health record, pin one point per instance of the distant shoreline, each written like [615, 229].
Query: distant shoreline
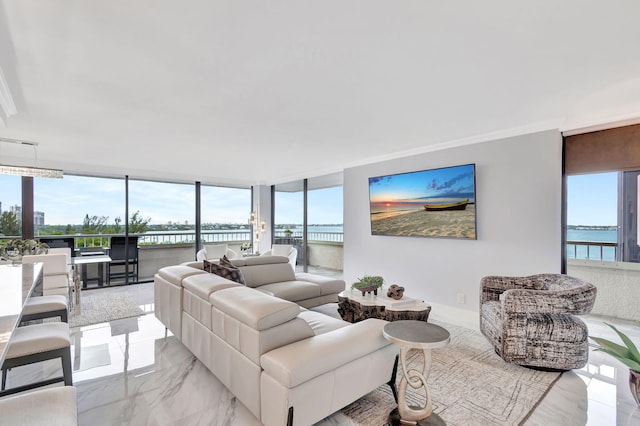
[593, 227]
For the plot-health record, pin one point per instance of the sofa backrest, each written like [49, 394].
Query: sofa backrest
[255, 323]
[261, 270]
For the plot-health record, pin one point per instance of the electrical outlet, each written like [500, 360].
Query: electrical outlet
[461, 298]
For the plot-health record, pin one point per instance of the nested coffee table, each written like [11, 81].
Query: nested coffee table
[354, 307]
[410, 335]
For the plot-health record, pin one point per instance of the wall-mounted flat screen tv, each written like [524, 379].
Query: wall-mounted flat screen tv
[429, 203]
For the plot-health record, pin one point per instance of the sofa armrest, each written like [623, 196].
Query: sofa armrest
[492, 287]
[301, 361]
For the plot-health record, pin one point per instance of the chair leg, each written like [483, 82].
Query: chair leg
[392, 382]
[64, 353]
[4, 378]
[66, 367]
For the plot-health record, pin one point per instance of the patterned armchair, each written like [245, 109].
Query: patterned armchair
[531, 320]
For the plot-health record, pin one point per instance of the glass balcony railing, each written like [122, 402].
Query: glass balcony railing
[592, 250]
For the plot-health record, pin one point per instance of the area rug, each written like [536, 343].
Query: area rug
[104, 307]
[469, 383]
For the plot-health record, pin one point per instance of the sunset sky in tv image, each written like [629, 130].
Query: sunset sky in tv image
[416, 187]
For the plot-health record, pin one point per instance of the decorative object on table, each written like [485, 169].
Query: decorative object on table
[368, 283]
[245, 247]
[13, 250]
[627, 354]
[395, 291]
[425, 203]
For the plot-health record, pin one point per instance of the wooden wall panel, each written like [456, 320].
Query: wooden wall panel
[603, 151]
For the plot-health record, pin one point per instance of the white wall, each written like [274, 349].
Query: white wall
[518, 196]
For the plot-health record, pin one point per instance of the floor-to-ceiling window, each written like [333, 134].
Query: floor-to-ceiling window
[89, 208]
[321, 200]
[161, 212]
[325, 219]
[288, 217]
[225, 216]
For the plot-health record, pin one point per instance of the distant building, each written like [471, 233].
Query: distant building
[38, 217]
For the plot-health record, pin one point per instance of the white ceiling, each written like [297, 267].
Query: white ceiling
[245, 92]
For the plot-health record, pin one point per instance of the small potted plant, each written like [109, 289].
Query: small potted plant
[627, 354]
[368, 283]
[13, 250]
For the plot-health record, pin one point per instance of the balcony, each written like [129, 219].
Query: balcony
[160, 249]
[618, 283]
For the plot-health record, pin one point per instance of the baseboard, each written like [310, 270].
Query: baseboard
[456, 316]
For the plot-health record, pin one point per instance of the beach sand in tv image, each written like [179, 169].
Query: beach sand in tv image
[430, 203]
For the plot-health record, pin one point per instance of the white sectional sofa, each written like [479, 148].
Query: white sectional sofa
[286, 364]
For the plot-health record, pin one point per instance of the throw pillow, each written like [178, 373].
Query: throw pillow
[224, 261]
[215, 251]
[233, 274]
[281, 249]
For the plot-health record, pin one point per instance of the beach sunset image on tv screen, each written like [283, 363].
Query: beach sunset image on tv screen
[428, 203]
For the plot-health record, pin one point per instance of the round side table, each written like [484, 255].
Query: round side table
[415, 335]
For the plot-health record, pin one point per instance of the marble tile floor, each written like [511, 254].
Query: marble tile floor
[129, 372]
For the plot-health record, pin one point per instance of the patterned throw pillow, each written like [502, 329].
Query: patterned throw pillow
[224, 261]
[232, 274]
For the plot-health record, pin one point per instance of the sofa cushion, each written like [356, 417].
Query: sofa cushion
[233, 274]
[322, 352]
[202, 285]
[254, 308]
[293, 290]
[215, 251]
[267, 273]
[327, 285]
[175, 274]
[259, 260]
[321, 323]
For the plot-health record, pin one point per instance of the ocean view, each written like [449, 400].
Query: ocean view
[594, 235]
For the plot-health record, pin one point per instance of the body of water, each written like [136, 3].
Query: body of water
[583, 252]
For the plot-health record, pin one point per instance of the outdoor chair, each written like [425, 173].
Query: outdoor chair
[531, 321]
[124, 259]
[286, 250]
[214, 252]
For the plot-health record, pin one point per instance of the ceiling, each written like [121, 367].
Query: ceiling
[264, 92]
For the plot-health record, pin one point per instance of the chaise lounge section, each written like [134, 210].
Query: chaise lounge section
[286, 364]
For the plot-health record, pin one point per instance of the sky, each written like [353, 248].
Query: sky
[592, 199]
[447, 183]
[68, 200]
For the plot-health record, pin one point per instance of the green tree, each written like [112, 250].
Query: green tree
[138, 224]
[9, 224]
[94, 224]
[117, 227]
[69, 230]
